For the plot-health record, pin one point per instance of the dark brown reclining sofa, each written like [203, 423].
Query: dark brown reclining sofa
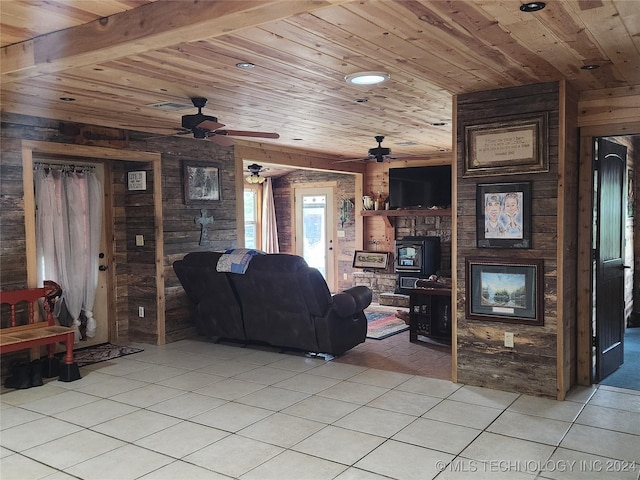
[279, 301]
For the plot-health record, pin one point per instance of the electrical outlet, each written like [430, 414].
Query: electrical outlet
[508, 339]
[345, 276]
[139, 240]
[141, 312]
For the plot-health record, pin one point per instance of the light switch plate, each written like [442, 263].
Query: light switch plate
[508, 339]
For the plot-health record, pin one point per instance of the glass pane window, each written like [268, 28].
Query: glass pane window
[250, 219]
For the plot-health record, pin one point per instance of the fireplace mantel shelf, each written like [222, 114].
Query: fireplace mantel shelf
[416, 212]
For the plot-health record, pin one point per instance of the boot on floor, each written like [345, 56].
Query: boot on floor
[35, 373]
[19, 377]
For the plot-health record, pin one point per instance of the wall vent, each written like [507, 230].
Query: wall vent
[170, 106]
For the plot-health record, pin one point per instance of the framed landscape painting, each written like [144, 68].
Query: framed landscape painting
[505, 290]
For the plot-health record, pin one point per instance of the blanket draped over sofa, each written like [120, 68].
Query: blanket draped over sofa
[279, 300]
[236, 260]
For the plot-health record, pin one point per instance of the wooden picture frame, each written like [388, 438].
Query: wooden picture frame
[505, 290]
[503, 215]
[371, 260]
[507, 146]
[201, 183]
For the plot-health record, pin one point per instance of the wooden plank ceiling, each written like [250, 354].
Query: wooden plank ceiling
[118, 58]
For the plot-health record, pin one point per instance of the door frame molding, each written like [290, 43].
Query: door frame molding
[93, 154]
[584, 327]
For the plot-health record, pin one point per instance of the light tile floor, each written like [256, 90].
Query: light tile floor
[197, 410]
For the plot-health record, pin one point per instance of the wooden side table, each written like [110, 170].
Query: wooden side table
[430, 313]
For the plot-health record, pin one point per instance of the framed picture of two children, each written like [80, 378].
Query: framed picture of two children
[503, 215]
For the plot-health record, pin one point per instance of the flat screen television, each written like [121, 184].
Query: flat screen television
[420, 187]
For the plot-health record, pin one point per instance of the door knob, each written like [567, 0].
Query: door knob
[102, 268]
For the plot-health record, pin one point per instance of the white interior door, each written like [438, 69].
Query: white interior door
[101, 310]
[315, 220]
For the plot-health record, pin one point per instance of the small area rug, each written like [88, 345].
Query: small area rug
[101, 353]
[383, 324]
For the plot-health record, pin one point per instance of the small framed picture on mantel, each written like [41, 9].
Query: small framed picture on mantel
[373, 260]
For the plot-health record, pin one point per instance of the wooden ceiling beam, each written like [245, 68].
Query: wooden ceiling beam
[148, 27]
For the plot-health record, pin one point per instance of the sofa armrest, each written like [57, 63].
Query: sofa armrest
[352, 300]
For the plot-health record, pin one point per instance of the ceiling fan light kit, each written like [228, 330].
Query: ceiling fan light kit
[367, 78]
[255, 177]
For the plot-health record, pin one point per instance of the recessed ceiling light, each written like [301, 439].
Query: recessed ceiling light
[67, 99]
[532, 7]
[245, 65]
[591, 66]
[367, 78]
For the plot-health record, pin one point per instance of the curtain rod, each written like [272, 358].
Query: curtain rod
[63, 167]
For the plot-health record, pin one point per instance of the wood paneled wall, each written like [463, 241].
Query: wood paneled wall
[13, 273]
[140, 279]
[182, 233]
[135, 266]
[609, 106]
[482, 359]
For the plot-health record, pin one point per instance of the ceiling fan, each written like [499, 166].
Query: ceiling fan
[208, 127]
[380, 153]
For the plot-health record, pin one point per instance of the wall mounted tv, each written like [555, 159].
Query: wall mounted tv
[420, 187]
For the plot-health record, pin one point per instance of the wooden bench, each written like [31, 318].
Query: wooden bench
[38, 332]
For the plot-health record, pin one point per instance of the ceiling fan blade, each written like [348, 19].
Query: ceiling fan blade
[242, 133]
[210, 125]
[221, 140]
[351, 160]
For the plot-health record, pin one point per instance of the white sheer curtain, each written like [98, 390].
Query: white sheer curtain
[269, 225]
[68, 229]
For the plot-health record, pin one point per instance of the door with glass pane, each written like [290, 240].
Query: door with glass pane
[314, 218]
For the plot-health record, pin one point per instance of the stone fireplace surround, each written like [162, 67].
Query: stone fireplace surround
[383, 286]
